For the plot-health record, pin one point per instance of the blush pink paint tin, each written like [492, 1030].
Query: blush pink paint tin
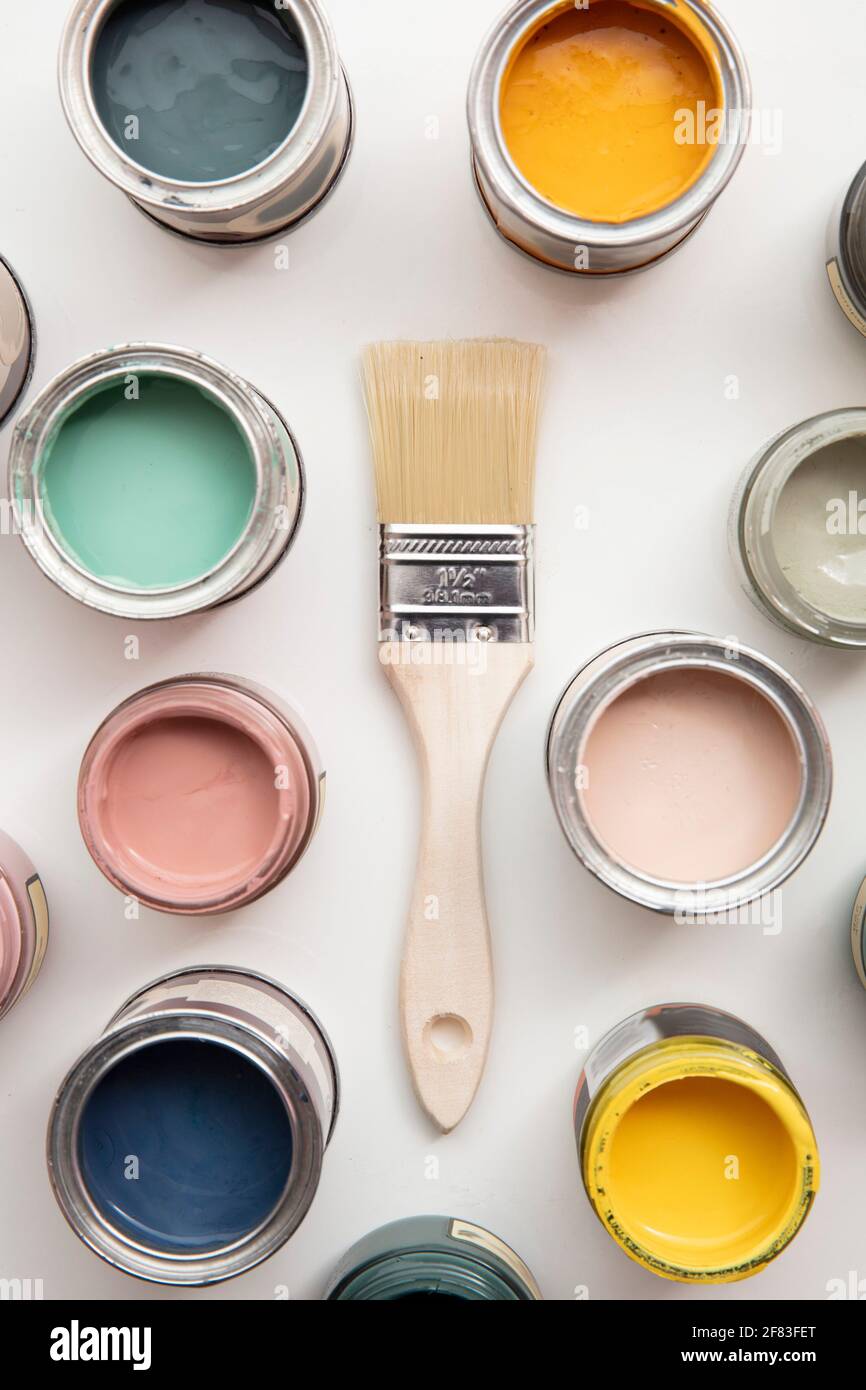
[23, 923]
[199, 794]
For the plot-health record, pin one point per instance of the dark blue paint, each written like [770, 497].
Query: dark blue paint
[212, 1138]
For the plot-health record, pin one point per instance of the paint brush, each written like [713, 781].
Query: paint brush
[453, 428]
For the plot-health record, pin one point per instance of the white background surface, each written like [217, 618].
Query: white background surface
[637, 427]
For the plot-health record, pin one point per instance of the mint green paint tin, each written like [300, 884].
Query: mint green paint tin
[151, 490]
[151, 482]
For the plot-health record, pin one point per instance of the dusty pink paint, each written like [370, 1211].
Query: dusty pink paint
[193, 800]
[18, 941]
[10, 942]
[194, 797]
[693, 776]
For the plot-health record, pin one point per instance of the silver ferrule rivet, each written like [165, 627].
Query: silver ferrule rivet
[483, 634]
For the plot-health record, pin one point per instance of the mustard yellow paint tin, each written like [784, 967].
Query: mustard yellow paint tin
[695, 1149]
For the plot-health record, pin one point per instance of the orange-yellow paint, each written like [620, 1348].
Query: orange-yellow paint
[589, 108]
[700, 1160]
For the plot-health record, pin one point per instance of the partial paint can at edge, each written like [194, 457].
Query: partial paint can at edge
[432, 1257]
[23, 923]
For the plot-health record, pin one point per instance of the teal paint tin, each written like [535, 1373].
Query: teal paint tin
[227, 121]
[425, 1257]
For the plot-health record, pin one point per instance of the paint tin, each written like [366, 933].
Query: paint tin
[176, 1090]
[432, 1257]
[16, 340]
[561, 238]
[734, 1166]
[647, 667]
[23, 923]
[200, 794]
[272, 195]
[822, 598]
[200, 540]
[846, 252]
[858, 935]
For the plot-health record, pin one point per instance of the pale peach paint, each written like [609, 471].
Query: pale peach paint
[693, 776]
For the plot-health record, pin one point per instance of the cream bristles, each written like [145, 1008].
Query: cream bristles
[453, 427]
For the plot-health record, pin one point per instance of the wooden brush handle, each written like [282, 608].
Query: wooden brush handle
[455, 711]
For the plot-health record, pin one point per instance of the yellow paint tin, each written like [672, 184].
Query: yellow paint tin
[696, 1151]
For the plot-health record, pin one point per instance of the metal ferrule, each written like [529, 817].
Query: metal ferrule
[456, 583]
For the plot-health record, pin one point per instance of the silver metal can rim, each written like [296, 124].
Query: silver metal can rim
[35, 430]
[118, 1041]
[274, 233]
[300, 735]
[858, 933]
[781, 456]
[494, 162]
[633, 659]
[850, 280]
[232, 195]
[25, 367]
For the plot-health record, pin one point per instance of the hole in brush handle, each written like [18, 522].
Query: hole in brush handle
[448, 1037]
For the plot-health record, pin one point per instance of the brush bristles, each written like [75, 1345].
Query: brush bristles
[453, 427]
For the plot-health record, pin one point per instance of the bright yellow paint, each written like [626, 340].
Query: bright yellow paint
[589, 108]
[700, 1160]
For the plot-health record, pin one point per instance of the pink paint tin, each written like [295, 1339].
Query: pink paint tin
[199, 794]
[23, 923]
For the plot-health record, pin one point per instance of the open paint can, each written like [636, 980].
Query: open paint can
[858, 934]
[696, 1151]
[846, 252]
[16, 340]
[690, 776]
[224, 120]
[575, 164]
[428, 1257]
[151, 482]
[798, 529]
[186, 1145]
[200, 794]
[23, 923]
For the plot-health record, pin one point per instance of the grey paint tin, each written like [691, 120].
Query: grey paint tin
[752, 522]
[270, 198]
